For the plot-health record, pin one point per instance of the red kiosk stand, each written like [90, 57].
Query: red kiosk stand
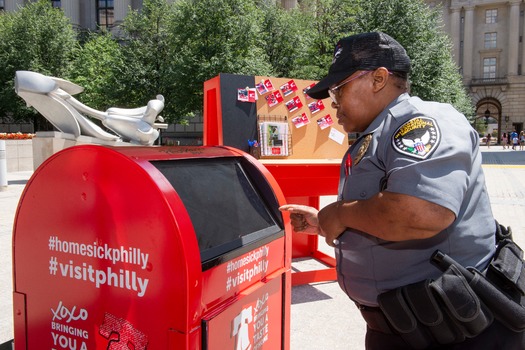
[311, 171]
[304, 182]
[151, 248]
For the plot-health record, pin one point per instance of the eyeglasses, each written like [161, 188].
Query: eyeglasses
[334, 91]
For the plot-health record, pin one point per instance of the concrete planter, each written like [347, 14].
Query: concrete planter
[47, 143]
[19, 155]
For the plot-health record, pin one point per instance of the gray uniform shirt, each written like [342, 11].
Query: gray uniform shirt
[430, 151]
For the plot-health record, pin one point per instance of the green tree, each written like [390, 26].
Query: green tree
[39, 38]
[173, 48]
[96, 67]
[418, 28]
[286, 39]
[324, 23]
[144, 37]
[209, 37]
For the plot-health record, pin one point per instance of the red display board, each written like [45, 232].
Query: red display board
[107, 254]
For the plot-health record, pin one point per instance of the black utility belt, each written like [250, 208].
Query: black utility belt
[460, 304]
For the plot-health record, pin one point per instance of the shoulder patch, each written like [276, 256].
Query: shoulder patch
[417, 138]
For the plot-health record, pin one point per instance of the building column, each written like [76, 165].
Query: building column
[121, 8]
[523, 52]
[72, 11]
[455, 33]
[468, 43]
[289, 4]
[514, 37]
[446, 14]
[12, 5]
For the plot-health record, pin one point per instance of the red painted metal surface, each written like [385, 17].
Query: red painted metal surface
[105, 255]
[303, 183]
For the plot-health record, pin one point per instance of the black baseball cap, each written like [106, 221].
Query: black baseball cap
[366, 51]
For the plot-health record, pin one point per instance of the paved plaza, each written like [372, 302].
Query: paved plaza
[322, 317]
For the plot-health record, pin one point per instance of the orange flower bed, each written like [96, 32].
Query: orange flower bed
[15, 136]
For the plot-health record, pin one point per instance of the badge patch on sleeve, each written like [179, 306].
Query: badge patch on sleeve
[417, 138]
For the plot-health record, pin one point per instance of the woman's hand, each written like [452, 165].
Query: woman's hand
[303, 218]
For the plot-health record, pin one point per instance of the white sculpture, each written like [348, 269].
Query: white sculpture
[52, 97]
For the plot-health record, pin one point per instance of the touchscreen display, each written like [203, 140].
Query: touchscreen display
[225, 207]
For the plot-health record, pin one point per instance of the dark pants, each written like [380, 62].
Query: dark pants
[496, 337]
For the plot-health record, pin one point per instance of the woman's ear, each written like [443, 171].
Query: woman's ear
[380, 76]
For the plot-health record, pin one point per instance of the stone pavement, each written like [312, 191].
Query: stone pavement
[322, 317]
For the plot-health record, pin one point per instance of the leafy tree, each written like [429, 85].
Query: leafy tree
[209, 37]
[172, 48]
[418, 28]
[37, 37]
[286, 39]
[96, 67]
[144, 39]
[325, 22]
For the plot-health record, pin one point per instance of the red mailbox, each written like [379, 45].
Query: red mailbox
[151, 248]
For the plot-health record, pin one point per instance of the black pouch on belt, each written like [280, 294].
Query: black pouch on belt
[507, 270]
[402, 319]
[493, 291]
[507, 273]
[417, 316]
[461, 303]
[428, 311]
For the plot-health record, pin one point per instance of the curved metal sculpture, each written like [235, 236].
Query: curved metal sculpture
[52, 97]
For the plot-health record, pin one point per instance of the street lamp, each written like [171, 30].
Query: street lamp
[487, 116]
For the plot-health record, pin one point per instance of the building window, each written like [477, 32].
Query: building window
[490, 40]
[491, 16]
[105, 13]
[2, 5]
[56, 3]
[489, 68]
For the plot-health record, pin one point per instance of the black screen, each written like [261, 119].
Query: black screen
[225, 208]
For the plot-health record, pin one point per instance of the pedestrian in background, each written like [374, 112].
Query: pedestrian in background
[514, 139]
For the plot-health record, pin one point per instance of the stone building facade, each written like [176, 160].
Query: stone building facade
[487, 38]
[86, 14]
[91, 14]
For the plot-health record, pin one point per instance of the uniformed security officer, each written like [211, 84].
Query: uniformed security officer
[412, 183]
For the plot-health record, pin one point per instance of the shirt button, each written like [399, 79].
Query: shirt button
[363, 194]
